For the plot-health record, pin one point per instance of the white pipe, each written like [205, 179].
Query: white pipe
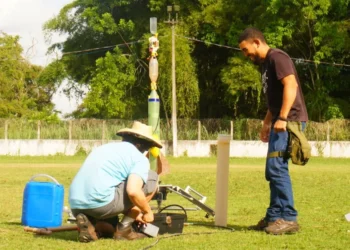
[222, 172]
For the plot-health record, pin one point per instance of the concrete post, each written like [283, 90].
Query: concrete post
[6, 129]
[222, 173]
[39, 130]
[103, 130]
[70, 129]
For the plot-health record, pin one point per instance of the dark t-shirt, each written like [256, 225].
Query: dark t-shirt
[276, 66]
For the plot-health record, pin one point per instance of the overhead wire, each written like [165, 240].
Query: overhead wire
[209, 43]
[301, 60]
[101, 48]
[297, 60]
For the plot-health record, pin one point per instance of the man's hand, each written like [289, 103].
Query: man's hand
[265, 133]
[139, 218]
[145, 218]
[280, 126]
[266, 128]
[148, 217]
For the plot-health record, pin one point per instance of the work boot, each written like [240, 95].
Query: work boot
[281, 226]
[86, 229]
[104, 229]
[127, 232]
[262, 224]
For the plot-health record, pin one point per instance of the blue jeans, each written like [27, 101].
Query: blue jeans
[277, 173]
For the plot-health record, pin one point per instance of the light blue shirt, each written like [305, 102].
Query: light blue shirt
[104, 168]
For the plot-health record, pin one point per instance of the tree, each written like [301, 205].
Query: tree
[309, 31]
[92, 24]
[242, 89]
[317, 31]
[22, 94]
[108, 96]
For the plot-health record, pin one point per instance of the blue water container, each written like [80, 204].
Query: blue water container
[42, 203]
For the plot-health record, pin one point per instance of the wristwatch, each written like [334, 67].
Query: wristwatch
[282, 119]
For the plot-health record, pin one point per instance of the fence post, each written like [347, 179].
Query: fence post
[6, 129]
[70, 129]
[231, 130]
[328, 131]
[199, 130]
[39, 130]
[103, 129]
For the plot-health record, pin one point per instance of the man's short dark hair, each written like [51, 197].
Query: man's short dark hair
[251, 33]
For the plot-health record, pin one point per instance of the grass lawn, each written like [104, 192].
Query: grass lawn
[321, 192]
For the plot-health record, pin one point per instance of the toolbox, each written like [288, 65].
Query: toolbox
[171, 223]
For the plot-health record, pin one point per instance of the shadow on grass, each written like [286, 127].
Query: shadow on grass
[72, 236]
[12, 223]
[210, 225]
[65, 236]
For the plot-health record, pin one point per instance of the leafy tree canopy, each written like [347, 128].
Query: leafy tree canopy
[23, 92]
[212, 81]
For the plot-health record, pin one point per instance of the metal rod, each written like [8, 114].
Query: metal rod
[174, 115]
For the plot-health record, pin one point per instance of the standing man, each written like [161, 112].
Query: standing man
[285, 101]
[115, 179]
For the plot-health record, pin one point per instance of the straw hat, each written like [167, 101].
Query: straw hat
[142, 131]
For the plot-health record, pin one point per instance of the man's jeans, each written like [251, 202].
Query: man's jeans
[277, 173]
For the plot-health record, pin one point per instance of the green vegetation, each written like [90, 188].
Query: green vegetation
[212, 81]
[320, 191]
[106, 51]
[23, 90]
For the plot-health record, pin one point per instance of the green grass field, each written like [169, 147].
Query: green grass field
[321, 192]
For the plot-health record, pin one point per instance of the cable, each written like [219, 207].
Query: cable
[196, 233]
[297, 60]
[300, 60]
[101, 48]
[185, 219]
[214, 44]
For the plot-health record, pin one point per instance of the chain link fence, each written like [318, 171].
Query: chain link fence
[188, 129]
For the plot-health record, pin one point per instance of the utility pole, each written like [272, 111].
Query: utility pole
[171, 9]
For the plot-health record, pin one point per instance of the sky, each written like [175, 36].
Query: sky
[25, 18]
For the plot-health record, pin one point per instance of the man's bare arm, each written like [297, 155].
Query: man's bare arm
[289, 94]
[268, 118]
[135, 193]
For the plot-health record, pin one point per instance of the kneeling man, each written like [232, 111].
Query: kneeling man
[115, 179]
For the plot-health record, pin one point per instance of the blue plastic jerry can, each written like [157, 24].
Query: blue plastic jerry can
[42, 203]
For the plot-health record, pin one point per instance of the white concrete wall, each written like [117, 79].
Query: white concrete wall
[189, 148]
